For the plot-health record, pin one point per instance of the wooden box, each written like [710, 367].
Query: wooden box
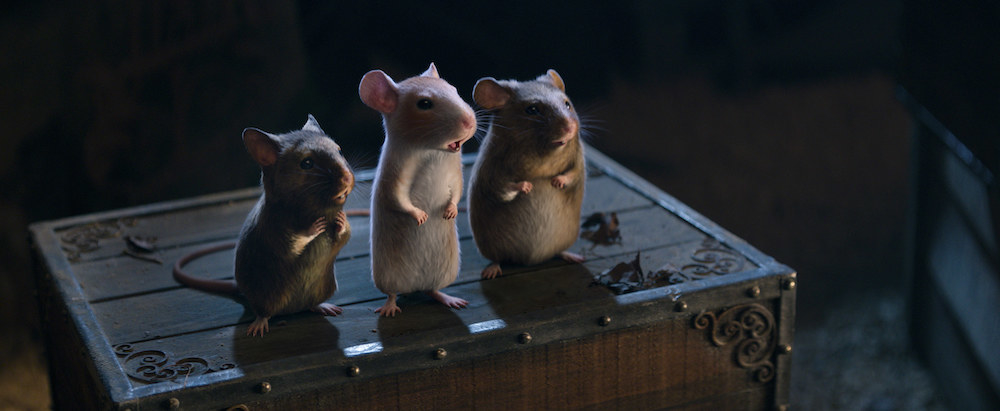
[712, 331]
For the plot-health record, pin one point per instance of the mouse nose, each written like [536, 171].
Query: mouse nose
[469, 121]
[570, 127]
[347, 179]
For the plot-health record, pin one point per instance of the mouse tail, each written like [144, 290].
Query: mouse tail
[212, 286]
[358, 212]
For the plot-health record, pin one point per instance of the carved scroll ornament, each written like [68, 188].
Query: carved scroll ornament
[751, 329]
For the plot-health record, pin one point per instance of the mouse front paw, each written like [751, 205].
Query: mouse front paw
[419, 215]
[451, 211]
[317, 227]
[560, 181]
[340, 223]
[525, 187]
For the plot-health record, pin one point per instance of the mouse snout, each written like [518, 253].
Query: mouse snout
[469, 121]
[347, 180]
[571, 127]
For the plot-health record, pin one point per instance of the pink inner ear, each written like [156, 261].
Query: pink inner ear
[378, 91]
[489, 94]
[262, 149]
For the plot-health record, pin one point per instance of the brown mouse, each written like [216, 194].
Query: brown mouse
[527, 184]
[291, 237]
[418, 184]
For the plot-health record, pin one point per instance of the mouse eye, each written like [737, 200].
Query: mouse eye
[425, 104]
[568, 105]
[532, 109]
[306, 164]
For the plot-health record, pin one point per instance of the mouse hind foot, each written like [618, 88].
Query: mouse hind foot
[572, 257]
[491, 272]
[453, 302]
[258, 327]
[389, 309]
[328, 309]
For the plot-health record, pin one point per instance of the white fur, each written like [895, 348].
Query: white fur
[407, 257]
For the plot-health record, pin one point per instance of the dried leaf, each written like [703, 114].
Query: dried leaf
[606, 233]
[623, 277]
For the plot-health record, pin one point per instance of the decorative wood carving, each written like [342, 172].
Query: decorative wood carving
[751, 329]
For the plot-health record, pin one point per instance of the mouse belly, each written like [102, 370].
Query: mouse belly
[301, 286]
[316, 284]
[528, 230]
[407, 257]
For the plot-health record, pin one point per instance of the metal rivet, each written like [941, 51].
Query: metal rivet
[681, 306]
[238, 407]
[789, 284]
[264, 387]
[753, 292]
[524, 338]
[440, 353]
[605, 320]
[782, 408]
[785, 349]
[353, 371]
[173, 403]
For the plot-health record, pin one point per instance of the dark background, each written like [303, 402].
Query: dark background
[777, 119]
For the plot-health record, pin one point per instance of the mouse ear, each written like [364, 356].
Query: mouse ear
[431, 71]
[378, 91]
[552, 77]
[312, 125]
[489, 94]
[262, 146]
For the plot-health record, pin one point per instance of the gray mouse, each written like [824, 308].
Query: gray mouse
[291, 237]
[527, 184]
[417, 186]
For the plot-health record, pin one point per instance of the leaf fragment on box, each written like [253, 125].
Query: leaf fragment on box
[601, 229]
[630, 277]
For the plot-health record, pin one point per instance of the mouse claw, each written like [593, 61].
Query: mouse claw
[328, 309]
[451, 212]
[258, 327]
[317, 227]
[560, 181]
[525, 187]
[389, 309]
[453, 302]
[491, 272]
[419, 215]
[340, 223]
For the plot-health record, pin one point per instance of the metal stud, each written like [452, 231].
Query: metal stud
[680, 306]
[788, 284]
[264, 387]
[753, 292]
[524, 338]
[785, 349]
[440, 353]
[604, 321]
[173, 403]
[353, 371]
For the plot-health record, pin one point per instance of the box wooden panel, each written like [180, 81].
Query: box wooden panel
[714, 333]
